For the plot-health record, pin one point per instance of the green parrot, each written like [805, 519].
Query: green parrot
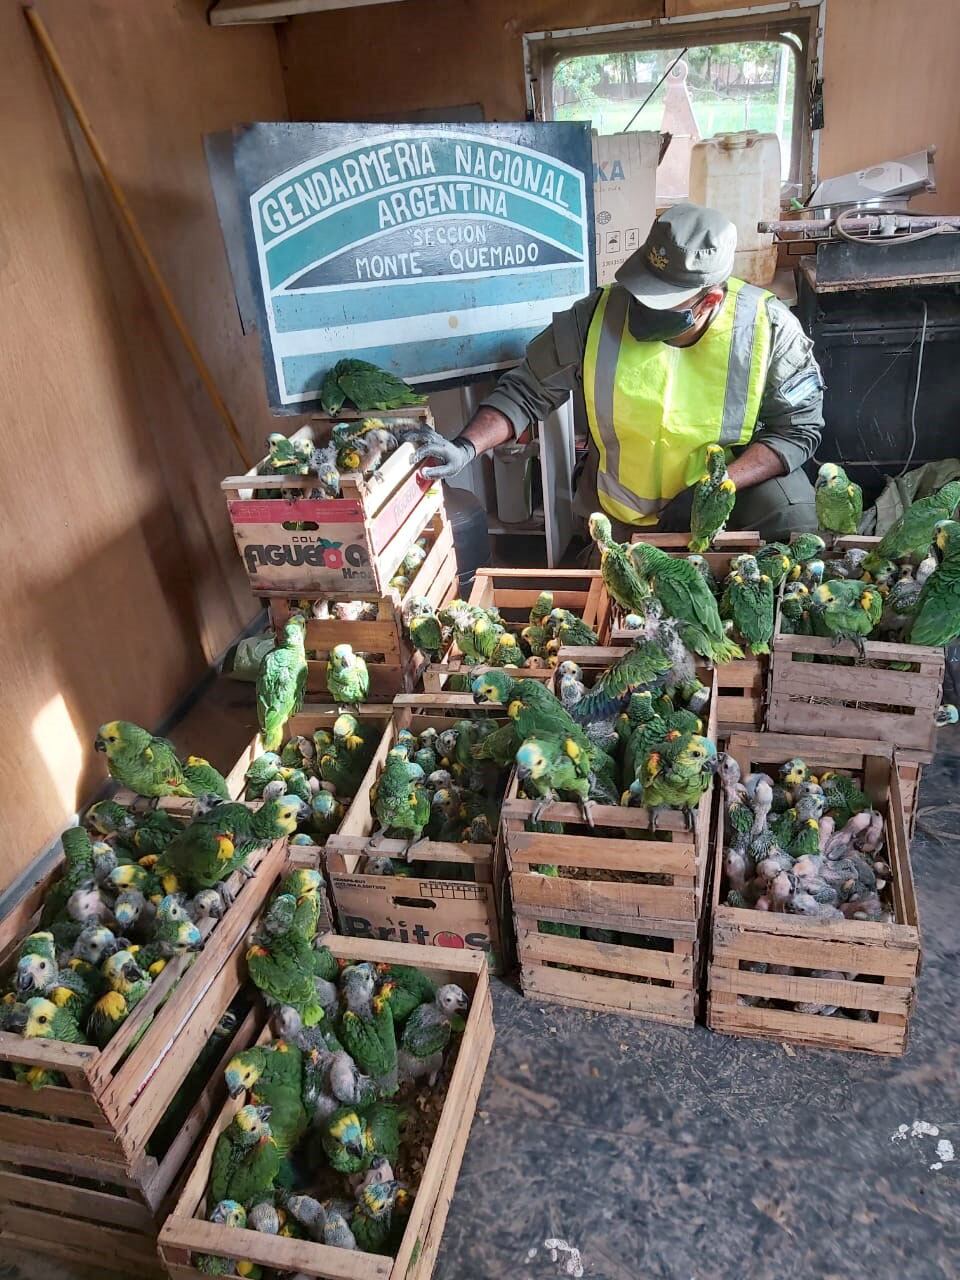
[507, 652]
[284, 965]
[203, 779]
[676, 773]
[752, 605]
[706, 573]
[937, 620]
[282, 682]
[839, 503]
[541, 608]
[124, 976]
[846, 610]
[619, 574]
[795, 611]
[686, 597]
[402, 806]
[644, 666]
[78, 871]
[173, 932]
[408, 988]
[426, 634]
[379, 1219]
[547, 770]
[42, 1019]
[326, 814]
[775, 561]
[246, 1160]
[367, 386]
[713, 497]
[571, 629]
[842, 797]
[155, 832]
[226, 1213]
[371, 1040]
[804, 548]
[348, 680]
[352, 1136]
[913, 533]
[272, 1075]
[107, 818]
[216, 844]
[263, 770]
[303, 885]
[136, 759]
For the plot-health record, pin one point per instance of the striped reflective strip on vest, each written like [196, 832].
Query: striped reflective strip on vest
[604, 381]
[737, 395]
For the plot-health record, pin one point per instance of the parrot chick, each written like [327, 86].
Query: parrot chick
[348, 680]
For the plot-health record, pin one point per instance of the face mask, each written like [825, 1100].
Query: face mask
[647, 325]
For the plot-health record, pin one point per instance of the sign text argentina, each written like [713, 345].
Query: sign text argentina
[435, 251]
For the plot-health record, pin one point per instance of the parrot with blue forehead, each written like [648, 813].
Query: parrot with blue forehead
[714, 495]
[352, 1136]
[272, 1075]
[245, 1160]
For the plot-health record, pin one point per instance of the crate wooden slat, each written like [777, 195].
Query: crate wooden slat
[881, 961]
[513, 592]
[114, 1096]
[185, 1232]
[349, 546]
[655, 976]
[424, 910]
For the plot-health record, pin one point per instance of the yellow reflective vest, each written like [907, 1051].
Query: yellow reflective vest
[653, 408]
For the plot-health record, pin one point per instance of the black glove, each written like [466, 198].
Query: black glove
[675, 516]
[452, 455]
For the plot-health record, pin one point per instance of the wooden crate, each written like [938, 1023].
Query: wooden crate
[394, 664]
[885, 958]
[89, 1214]
[741, 684]
[103, 1117]
[348, 546]
[311, 716]
[513, 592]
[186, 1232]
[427, 911]
[656, 976]
[828, 696]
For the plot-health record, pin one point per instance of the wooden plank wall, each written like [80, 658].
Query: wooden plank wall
[911, 53]
[120, 573]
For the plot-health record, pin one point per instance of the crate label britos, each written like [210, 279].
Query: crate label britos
[436, 251]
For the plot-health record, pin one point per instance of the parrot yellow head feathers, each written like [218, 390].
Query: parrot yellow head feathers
[229, 1213]
[867, 599]
[40, 1016]
[492, 686]
[253, 1121]
[243, 1071]
[829, 471]
[108, 736]
[600, 528]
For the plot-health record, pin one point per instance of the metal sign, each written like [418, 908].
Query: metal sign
[435, 251]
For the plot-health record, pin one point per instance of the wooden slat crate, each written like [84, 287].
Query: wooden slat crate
[741, 684]
[310, 717]
[85, 1213]
[349, 546]
[832, 697]
[655, 976]
[394, 665]
[187, 1233]
[882, 961]
[104, 1115]
[432, 911]
[513, 592]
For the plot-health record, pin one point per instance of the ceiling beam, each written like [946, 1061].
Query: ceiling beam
[231, 13]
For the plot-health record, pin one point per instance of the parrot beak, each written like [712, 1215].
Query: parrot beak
[24, 984]
[355, 1148]
[132, 972]
[522, 772]
[235, 1085]
[99, 744]
[713, 764]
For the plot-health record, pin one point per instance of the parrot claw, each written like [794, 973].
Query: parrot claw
[226, 894]
[586, 808]
[246, 873]
[374, 842]
[654, 814]
[688, 817]
[539, 808]
[412, 847]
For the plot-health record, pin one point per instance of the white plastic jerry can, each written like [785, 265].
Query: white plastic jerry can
[739, 175]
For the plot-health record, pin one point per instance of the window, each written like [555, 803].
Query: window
[691, 80]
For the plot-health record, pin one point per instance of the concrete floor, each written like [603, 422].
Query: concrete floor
[664, 1154]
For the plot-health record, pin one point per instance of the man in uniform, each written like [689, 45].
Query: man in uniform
[675, 356]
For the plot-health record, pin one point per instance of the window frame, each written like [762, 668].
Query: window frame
[803, 20]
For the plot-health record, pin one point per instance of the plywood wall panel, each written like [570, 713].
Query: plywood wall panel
[120, 576]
